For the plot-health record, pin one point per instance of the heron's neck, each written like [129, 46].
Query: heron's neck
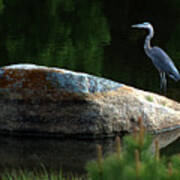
[147, 44]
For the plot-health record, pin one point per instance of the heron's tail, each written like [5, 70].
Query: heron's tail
[175, 76]
[178, 78]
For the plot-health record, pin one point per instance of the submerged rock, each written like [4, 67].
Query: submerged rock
[50, 101]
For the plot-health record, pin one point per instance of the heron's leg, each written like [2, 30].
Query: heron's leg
[161, 81]
[164, 83]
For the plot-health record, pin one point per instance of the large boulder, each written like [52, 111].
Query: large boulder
[51, 101]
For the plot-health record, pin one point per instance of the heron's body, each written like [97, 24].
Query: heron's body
[160, 59]
[163, 62]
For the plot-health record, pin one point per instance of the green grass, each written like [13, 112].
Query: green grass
[24, 175]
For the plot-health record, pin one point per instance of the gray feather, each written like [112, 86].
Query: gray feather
[163, 62]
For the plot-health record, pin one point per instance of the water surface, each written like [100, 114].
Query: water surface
[88, 36]
[69, 155]
[91, 36]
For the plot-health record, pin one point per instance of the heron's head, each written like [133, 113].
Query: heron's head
[145, 25]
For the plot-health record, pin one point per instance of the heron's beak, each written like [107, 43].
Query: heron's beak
[137, 26]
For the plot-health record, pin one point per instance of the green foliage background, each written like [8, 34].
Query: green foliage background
[91, 36]
[65, 33]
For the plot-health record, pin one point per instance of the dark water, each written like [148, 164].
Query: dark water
[88, 36]
[91, 36]
[125, 59]
[69, 155]
[35, 154]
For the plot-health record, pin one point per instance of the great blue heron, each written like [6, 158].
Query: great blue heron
[159, 58]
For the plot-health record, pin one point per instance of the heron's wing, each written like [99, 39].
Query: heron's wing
[163, 62]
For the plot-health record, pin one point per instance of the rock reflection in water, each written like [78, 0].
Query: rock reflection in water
[31, 153]
[165, 139]
[70, 155]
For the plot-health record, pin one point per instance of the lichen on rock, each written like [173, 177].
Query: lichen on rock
[43, 100]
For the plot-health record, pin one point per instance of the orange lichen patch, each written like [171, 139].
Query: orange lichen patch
[20, 78]
[35, 84]
[55, 70]
[122, 91]
[126, 88]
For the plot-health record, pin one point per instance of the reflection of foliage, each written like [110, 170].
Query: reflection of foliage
[14, 46]
[1, 6]
[173, 44]
[62, 33]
